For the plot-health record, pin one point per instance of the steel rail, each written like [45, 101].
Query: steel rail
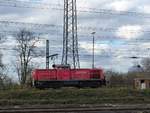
[76, 109]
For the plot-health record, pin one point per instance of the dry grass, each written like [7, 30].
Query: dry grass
[73, 96]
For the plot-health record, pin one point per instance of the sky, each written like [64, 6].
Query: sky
[121, 26]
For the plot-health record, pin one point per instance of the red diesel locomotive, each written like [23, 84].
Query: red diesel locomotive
[62, 76]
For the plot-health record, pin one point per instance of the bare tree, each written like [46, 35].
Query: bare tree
[5, 80]
[1, 73]
[115, 78]
[26, 49]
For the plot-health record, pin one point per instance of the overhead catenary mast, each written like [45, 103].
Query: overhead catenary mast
[47, 54]
[70, 54]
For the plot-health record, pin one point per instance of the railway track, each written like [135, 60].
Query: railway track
[89, 109]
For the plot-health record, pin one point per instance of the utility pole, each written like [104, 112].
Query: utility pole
[93, 33]
[70, 54]
[47, 54]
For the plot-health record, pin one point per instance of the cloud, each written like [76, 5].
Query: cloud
[129, 27]
[129, 31]
[99, 48]
[144, 9]
[41, 44]
[122, 5]
[146, 45]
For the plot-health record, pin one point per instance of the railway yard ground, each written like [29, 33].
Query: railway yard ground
[74, 96]
[105, 108]
[75, 100]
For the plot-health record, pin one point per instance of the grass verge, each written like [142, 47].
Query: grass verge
[74, 96]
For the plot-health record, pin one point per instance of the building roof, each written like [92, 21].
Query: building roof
[136, 68]
[142, 79]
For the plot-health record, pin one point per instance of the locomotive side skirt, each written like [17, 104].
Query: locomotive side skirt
[70, 83]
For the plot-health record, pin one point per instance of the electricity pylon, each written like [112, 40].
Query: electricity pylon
[70, 54]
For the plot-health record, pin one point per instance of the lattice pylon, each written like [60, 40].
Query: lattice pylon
[70, 38]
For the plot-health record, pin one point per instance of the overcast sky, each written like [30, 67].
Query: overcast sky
[120, 33]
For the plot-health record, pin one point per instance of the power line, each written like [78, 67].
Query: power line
[52, 28]
[109, 53]
[39, 5]
[82, 36]
[7, 23]
[27, 4]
